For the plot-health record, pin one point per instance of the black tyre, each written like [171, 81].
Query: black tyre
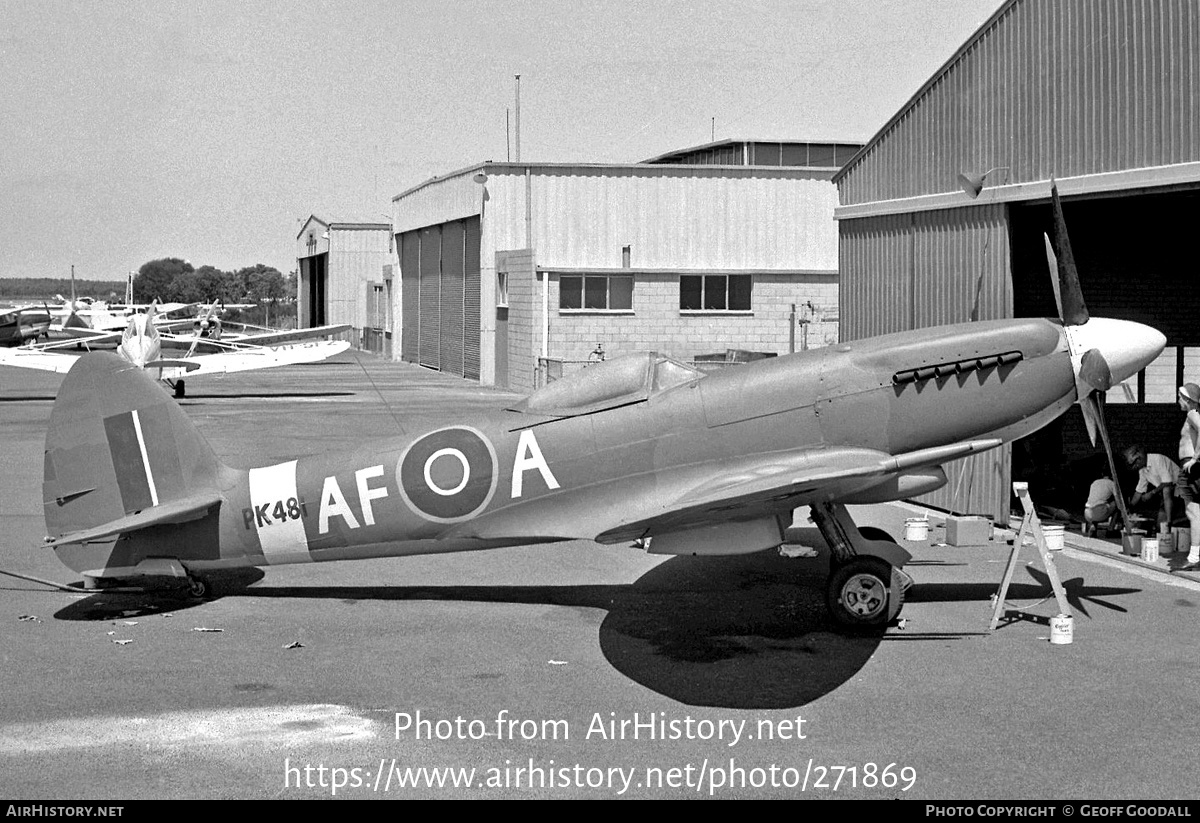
[862, 596]
[180, 389]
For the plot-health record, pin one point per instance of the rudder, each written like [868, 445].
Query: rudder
[117, 445]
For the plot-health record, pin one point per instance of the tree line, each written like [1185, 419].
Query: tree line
[36, 289]
[172, 280]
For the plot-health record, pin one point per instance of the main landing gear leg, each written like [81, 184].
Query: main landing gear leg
[866, 581]
[197, 588]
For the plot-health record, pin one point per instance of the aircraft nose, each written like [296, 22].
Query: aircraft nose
[1125, 346]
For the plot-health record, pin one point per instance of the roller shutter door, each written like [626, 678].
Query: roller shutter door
[429, 338]
[451, 354]
[471, 300]
[439, 279]
[410, 294]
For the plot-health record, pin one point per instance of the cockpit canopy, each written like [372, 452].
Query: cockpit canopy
[621, 381]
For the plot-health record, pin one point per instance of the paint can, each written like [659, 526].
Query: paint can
[1166, 542]
[1150, 549]
[916, 528]
[1061, 628]
[1055, 537]
[1131, 543]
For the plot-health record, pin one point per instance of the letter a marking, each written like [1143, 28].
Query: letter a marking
[529, 456]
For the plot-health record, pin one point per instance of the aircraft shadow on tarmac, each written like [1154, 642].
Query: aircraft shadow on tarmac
[1077, 591]
[104, 605]
[749, 631]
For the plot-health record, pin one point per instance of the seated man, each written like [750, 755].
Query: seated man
[1157, 478]
[1101, 506]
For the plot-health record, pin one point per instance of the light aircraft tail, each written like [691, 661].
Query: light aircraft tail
[122, 456]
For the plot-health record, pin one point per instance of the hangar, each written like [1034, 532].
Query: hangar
[1100, 95]
[513, 272]
[344, 275]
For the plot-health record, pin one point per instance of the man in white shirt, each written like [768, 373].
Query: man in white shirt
[1157, 478]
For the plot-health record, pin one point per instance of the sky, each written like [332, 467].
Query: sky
[209, 130]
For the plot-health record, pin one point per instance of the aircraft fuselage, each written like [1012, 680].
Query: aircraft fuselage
[480, 482]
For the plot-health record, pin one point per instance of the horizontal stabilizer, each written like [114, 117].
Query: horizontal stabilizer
[188, 508]
[188, 365]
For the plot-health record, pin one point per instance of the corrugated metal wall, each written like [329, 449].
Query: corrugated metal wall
[356, 256]
[909, 271]
[1065, 88]
[704, 219]
[582, 216]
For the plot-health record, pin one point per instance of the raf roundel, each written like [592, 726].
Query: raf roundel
[448, 475]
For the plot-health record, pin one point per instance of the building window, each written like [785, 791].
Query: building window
[595, 292]
[714, 292]
[502, 290]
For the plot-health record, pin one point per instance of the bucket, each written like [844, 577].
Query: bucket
[1131, 543]
[1061, 629]
[1150, 549]
[1055, 537]
[916, 528]
[1166, 542]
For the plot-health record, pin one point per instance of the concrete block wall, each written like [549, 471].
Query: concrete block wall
[657, 323]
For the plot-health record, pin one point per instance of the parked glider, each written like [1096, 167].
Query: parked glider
[210, 333]
[635, 447]
[141, 343]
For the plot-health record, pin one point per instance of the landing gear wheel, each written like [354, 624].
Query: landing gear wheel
[180, 389]
[197, 588]
[862, 595]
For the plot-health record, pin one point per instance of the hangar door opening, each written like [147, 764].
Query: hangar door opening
[313, 274]
[1134, 255]
[439, 281]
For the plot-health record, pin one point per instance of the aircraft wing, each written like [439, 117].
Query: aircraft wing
[82, 337]
[739, 490]
[249, 358]
[36, 358]
[269, 337]
[758, 487]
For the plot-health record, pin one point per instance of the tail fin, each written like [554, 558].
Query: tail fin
[121, 455]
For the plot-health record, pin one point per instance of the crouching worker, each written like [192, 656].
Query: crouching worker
[1157, 478]
[1101, 507]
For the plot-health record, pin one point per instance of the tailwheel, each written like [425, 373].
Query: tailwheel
[197, 588]
[865, 594]
[180, 389]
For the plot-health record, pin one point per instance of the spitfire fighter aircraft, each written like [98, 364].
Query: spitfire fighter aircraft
[632, 448]
[141, 344]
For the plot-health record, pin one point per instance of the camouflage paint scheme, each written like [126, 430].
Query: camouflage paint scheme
[639, 446]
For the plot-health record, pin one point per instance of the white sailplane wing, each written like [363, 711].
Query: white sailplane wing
[261, 357]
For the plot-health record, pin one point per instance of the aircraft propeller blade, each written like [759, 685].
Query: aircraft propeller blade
[1052, 262]
[1090, 418]
[1073, 310]
[1093, 404]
